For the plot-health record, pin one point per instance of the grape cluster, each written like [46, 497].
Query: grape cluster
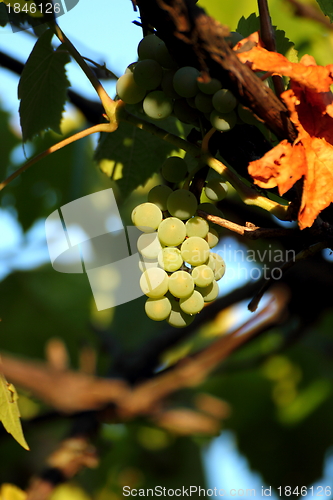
[180, 273]
[164, 89]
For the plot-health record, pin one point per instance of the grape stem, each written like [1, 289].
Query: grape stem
[248, 195]
[249, 230]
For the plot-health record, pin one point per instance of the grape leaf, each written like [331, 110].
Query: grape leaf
[310, 105]
[284, 46]
[133, 154]
[327, 8]
[42, 88]
[9, 412]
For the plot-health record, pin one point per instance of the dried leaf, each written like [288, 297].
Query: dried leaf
[310, 105]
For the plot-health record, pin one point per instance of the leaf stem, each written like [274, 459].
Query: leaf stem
[248, 195]
[108, 103]
[102, 127]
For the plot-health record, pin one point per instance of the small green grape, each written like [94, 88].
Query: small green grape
[183, 111]
[157, 105]
[192, 304]
[212, 238]
[203, 102]
[167, 84]
[181, 284]
[148, 74]
[224, 101]
[195, 250]
[216, 190]
[174, 169]
[149, 245]
[171, 232]
[154, 282]
[210, 87]
[158, 309]
[223, 121]
[147, 217]
[202, 275]
[185, 81]
[177, 317]
[170, 259]
[147, 47]
[182, 204]
[219, 266]
[197, 226]
[159, 195]
[209, 292]
[128, 90]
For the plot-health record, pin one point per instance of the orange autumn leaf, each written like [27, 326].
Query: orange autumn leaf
[310, 106]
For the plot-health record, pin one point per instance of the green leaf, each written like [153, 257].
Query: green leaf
[284, 46]
[43, 88]
[9, 412]
[131, 156]
[327, 8]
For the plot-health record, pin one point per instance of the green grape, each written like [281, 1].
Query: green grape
[185, 81]
[171, 232]
[210, 87]
[216, 190]
[130, 67]
[149, 245]
[203, 102]
[192, 304]
[148, 74]
[158, 309]
[219, 266]
[177, 317]
[174, 169]
[170, 259]
[128, 90]
[183, 111]
[157, 105]
[210, 262]
[191, 102]
[181, 284]
[154, 282]
[195, 250]
[209, 292]
[147, 217]
[223, 121]
[246, 116]
[163, 56]
[212, 238]
[167, 84]
[202, 275]
[159, 195]
[145, 264]
[147, 47]
[182, 204]
[197, 226]
[224, 101]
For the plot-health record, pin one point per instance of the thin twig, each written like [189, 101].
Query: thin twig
[102, 127]
[249, 230]
[268, 37]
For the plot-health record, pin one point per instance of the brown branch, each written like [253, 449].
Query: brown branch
[204, 46]
[250, 230]
[268, 37]
[310, 12]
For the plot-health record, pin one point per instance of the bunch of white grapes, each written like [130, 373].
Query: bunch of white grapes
[164, 89]
[180, 272]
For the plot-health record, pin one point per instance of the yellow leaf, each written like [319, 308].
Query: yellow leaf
[9, 412]
[11, 492]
